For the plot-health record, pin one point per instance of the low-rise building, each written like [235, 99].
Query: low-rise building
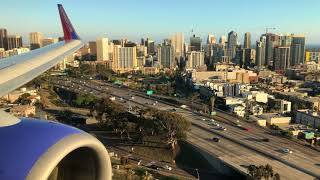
[23, 111]
[308, 117]
[276, 119]
[239, 110]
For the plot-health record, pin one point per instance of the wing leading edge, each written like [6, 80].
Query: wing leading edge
[17, 70]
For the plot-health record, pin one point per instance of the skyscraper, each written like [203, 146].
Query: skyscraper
[195, 59]
[298, 49]
[232, 44]
[177, 42]
[260, 54]
[166, 55]
[247, 40]
[3, 39]
[223, 40]
[35, 39]
[150, 45]
[125, 58]
[102, 49]
[14, 41]
[286, 40]
[272, 41]
[281, 59]
[195, 43]
[211, 39]
[93, 48]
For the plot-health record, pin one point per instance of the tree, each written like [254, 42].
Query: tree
[147, 176]
[276, 176]
[173, 125]
[23, 99]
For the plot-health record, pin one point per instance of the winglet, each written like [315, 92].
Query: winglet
[68, 30]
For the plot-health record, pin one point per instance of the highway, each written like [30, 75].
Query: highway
[238, 148]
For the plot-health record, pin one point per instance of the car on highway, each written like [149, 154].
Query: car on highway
[286, 150]
[174, 109]
[265, 139]
[215, 139]
[167, 167]
[222, 128]
[212, 120]
[203, 119]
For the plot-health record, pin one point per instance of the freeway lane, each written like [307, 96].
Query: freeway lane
[303, 159]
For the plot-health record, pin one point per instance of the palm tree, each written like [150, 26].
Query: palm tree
[276, 176]
[147, 176]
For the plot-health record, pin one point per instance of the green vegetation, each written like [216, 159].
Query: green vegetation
[23, 99]
[262, 172]
[86, 100]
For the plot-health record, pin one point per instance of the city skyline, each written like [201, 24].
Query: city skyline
[115, 20]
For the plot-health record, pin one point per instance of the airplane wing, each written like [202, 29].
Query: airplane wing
[39, 149]
[18, 70]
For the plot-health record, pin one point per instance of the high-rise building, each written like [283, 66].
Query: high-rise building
[93, 48]
[232, 44]
[247, 40]
[286, 40]
[3, 39]
[102, 49]
[125, 58]
[177, 41]
[272, 41]
[211, 39]
[14, 41]
[260, 54]
[195, 43]
[195, 59]
[223, 40]
[35, 39]
[166, 55]
[150, 45]
[281, 59]
[215, 52]
[248, 58]
[298, 49]
[48, 41]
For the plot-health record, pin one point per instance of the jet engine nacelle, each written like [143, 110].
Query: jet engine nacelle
[36, 149]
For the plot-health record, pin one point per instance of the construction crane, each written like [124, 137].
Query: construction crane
[269, 28]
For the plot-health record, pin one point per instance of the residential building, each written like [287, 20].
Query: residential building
[195, 59]
[298, 48]
[166, 55]
[3, 39]
[177, 41]
[48, 41]
[93, 48]
[260, 54]
[125, 58]
[102, 49]
[35, 39]
[281, 59]
[14, 41]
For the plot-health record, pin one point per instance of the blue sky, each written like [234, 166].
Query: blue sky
[159, 19]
